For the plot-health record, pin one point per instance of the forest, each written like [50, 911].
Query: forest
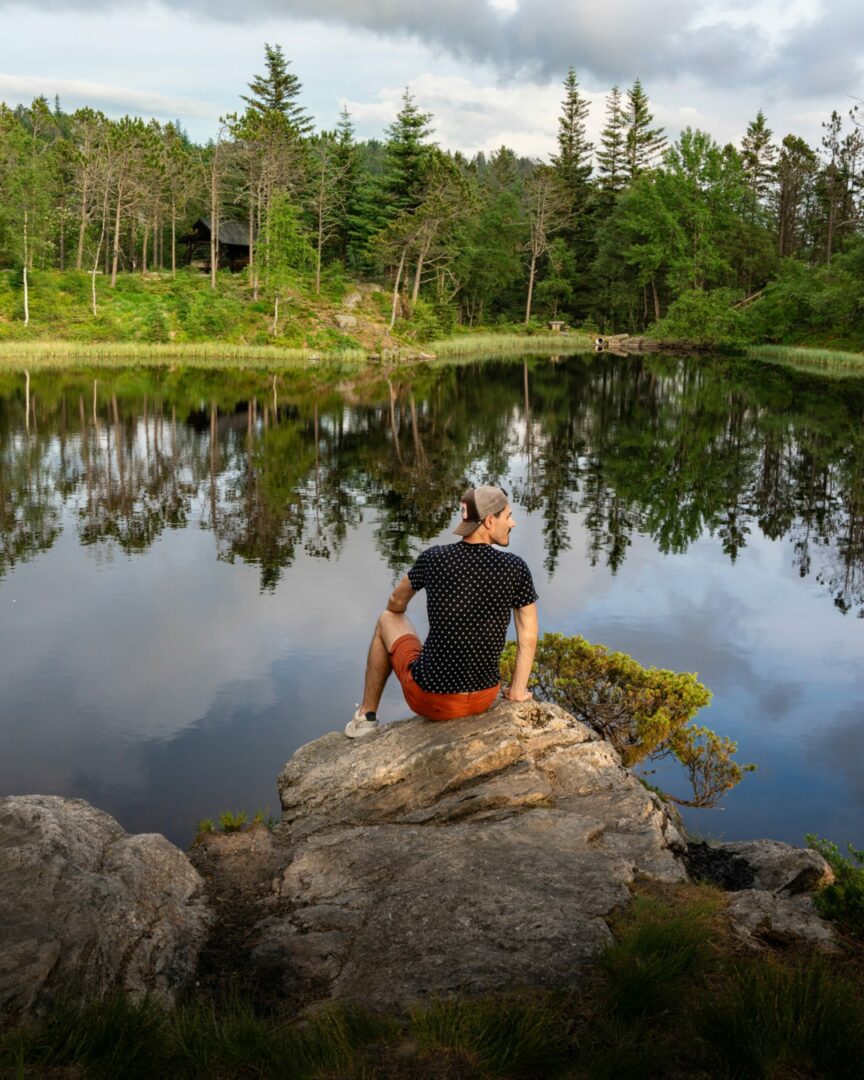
[760, 242]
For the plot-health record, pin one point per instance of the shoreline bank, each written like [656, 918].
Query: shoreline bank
[64, 355]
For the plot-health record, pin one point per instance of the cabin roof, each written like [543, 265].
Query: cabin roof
[235, 233]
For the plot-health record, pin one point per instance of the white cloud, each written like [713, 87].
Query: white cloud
[489, 75]
[102, 95]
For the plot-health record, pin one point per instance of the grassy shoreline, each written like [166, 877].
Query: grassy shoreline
[810, 358]
[58, 355]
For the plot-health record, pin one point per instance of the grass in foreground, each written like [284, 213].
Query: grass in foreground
[669, 998]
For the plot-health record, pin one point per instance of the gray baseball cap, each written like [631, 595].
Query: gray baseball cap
[476, 505]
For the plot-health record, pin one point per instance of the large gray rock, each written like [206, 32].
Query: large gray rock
[85, 906]
[781, 868]
[474, 855]
[760, 919]
[346, 322]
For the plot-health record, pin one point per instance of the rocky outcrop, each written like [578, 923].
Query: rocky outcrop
[760, 920]
[772, 885]
[781, 868]
[471, 856]
[474, 856]
[86, 907]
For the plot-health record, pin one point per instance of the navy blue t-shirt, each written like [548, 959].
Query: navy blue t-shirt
[471, 590]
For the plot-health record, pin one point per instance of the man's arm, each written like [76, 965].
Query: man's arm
[401, 597]
[526, 644]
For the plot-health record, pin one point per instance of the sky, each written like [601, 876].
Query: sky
[490, 71]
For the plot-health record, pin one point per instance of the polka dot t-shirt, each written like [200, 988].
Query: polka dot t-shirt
[471, 590]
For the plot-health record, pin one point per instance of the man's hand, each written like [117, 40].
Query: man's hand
[512, 696]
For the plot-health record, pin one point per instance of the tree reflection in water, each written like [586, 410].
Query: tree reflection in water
[269, 464]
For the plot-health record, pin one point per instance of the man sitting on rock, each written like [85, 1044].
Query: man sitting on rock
[471, 589]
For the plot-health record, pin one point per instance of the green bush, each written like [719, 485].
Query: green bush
[423, 324]
[229, 821]
[703, 318]
[644, 712]
[156, 327]
[844, 900]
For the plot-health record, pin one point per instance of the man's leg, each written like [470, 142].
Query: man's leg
[389, 628]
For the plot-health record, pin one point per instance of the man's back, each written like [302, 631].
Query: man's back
[471, 591]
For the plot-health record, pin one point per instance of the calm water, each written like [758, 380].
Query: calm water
[191, 563]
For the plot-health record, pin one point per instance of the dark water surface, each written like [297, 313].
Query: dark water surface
[191, 564]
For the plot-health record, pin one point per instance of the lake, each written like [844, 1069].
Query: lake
[191, 563]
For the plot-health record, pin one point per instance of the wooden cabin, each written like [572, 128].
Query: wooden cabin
[233, 245]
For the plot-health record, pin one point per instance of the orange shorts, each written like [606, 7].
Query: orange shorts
[405, 651]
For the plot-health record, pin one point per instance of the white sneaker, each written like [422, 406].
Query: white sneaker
[359, 725]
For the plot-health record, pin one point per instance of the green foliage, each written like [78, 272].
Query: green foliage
[408, 156]
[652, 225]
[844, 900]
[285, 246]
[156, 327]
[113, 1039]
[643, 712]
[205, 827]
[703, 318]
[118, 1040]
[657, 947]
[426, 322]
[507, 1036]
[230, 821]
[768, 1020]
[813, 304]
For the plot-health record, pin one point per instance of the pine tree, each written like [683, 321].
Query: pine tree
[611, 157]
[277, 92]
[757, 157]
[643, 144]
[407, 155]
[347, 172]
[572, 168]
[573, 160]
[796, 171]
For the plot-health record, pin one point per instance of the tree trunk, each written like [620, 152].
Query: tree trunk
[144, 250]
[93, 271]
[24, 277]
[252, 245]
[173, 238]
[396, 287]
[214, 222]
[116, 255]
[656, 300]
[82, 225]
[320, 231]
[531, 272]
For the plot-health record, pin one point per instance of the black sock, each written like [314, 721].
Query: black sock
[372, 716]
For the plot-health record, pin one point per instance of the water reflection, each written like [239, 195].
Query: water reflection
[271, 465]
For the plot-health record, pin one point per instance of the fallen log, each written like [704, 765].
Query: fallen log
[624, 345]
